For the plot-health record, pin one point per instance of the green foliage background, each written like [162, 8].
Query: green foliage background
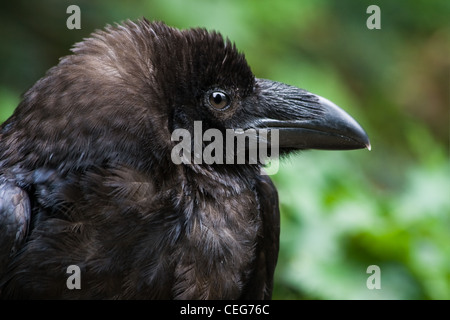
[341, 211]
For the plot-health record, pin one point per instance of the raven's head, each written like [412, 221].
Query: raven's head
[126, 89]
[204, 78]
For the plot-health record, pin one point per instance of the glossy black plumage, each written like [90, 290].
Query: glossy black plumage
[86, 176]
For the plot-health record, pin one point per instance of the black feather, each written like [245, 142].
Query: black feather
[90, 146]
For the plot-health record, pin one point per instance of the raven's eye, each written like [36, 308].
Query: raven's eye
[219, 100]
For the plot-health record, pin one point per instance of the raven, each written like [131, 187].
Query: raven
[93, 206]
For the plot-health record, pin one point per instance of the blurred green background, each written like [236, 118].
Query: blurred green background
[341, 211]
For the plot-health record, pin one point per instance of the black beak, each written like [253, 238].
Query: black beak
[305, 120]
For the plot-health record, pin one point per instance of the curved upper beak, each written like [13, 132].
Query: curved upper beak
[307, 121]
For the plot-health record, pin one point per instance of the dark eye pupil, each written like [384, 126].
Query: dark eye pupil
[219, 100]
[218, 97]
